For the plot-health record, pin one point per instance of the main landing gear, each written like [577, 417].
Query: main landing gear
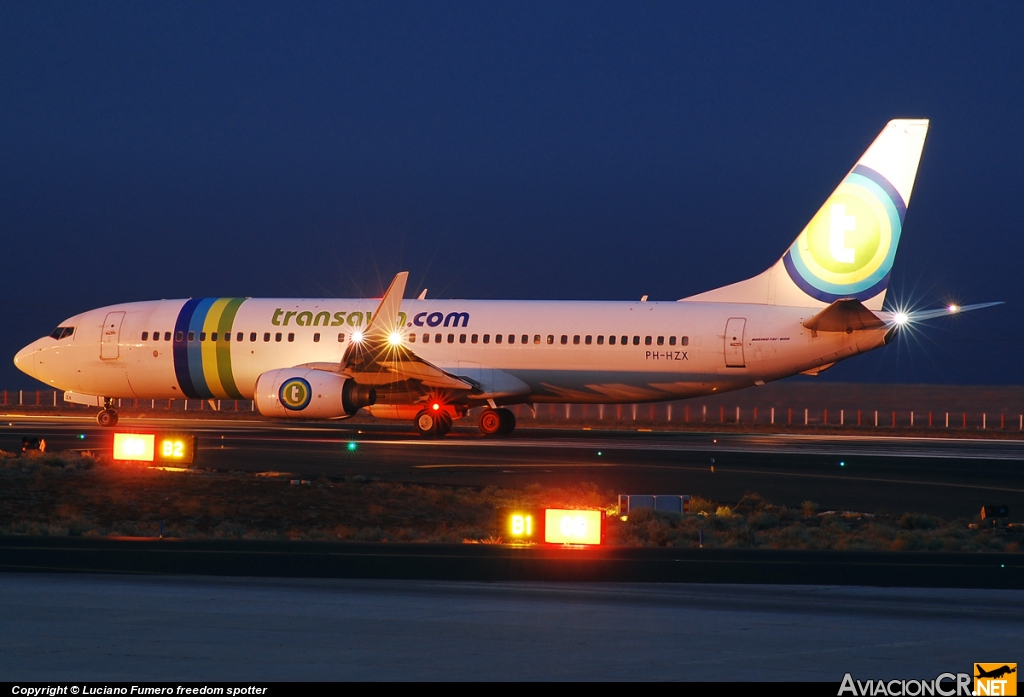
[433, 423]
[496, 422]
[108, 417]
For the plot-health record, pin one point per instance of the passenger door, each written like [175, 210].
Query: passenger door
[111, 336]
[734, 342]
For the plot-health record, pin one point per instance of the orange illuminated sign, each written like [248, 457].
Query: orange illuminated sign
[554, 526]
[563, 526]
[151, 447]
[139, 447]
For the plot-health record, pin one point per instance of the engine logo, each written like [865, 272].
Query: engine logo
[295, 394]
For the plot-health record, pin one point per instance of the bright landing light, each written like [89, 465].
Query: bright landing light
[357, 337]
[395, 339]
[901, 318]
[953, 309]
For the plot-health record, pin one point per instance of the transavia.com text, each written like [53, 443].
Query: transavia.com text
[54, 690]
[944, 685]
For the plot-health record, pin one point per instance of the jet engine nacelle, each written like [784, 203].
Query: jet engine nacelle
[300, 393]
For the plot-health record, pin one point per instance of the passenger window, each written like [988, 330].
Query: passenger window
[497, 338]
[437, 338]
[156, 336]
[611, 341]
[291, 337]
[636, 340]
[277, 337]
[462, 339]
[241, 337]
[625, 340]
[671, 341]
[341, 337]
[202, 336]
[213, 337]
[426, 338]
[252, 336]
[487, 338]
[412, 338]
[588, 340]
[145, 336]
[473, 339]
[565, 340]
[511, 338]
[551, 339]
[526, 339]
[178, 336]
[647, 340]
[227, 336]
[661, 341]
[536, 339]
[191, 336]
[685, 341]
[576, 339]
[316, 338]
[266, 337]
[600, 339]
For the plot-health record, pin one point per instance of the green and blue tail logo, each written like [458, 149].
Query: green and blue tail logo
[847, 249]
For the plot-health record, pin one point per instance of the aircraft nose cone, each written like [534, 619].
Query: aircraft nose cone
[25, 360]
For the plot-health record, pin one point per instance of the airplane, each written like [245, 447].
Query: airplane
[995, 673]
[432, 361]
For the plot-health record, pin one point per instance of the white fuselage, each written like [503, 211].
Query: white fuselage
[562, 351]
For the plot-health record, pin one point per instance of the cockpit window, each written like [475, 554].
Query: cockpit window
[62, 332]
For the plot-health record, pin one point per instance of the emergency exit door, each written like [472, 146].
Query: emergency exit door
[111, 336]
[734, 342]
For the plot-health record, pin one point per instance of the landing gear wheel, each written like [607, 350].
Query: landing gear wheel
[107, 418]
[426, 423]
[508, 421]
[490, 422]
[444, 424]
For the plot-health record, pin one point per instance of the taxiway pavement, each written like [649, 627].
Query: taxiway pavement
[942, 476]
[67, 627]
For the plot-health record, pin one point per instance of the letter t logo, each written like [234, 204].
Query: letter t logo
[840, 224]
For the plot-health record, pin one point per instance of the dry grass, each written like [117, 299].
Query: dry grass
[78, 494]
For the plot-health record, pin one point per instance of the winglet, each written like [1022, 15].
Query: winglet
[385, 319]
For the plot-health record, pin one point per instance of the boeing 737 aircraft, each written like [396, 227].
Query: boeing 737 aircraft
[431, 361]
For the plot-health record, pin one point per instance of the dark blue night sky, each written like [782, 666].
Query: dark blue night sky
[573, 150]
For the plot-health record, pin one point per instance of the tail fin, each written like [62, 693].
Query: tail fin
[847, 249]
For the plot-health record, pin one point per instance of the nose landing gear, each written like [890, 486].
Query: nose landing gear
[108, 417]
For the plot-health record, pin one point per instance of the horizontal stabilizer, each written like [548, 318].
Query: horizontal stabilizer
[844, 316]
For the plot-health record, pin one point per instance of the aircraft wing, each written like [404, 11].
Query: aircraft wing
[380, 357]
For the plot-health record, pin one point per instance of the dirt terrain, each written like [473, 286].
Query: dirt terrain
[80, 494]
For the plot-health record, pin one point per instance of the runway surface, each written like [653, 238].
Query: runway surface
[941, 476]
[175, 628]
